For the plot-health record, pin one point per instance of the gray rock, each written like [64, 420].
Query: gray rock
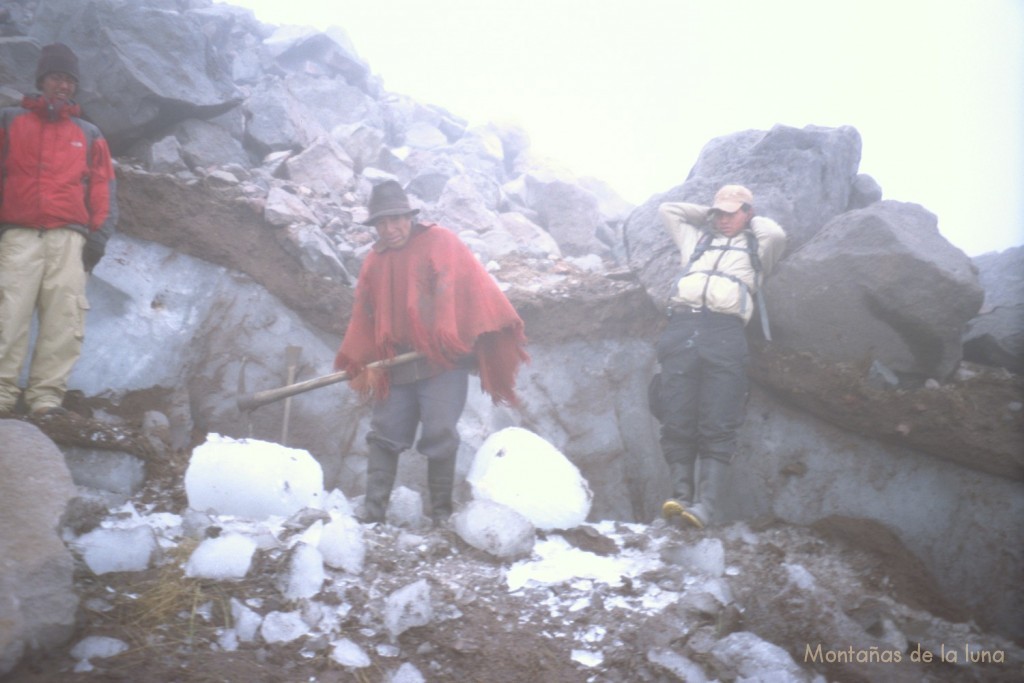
[864, 192]
[160, 156]
[129, 89]
[315, 251]
[568, 212]
[323, 167]
[306, 50]
[204, 144]
[37, 598]
[532, 239]
[18, 58]
[422, 135]
[114, 472]
[877, 284]
[462, 206]
[362, 143]
[996, 336]
[278, 121]
[284, 208]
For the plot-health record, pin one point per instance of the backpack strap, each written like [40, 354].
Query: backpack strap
[704, 244]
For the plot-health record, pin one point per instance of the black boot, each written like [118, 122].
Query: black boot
[381, 466]
[440, 481]
[710, 490]
[682, 481]
[678, 506]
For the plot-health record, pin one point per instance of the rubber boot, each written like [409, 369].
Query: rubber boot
[710, 490]
[440, 481]
[677, 508]
[381, 467]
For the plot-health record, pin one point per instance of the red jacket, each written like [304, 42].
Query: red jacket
[55, 170]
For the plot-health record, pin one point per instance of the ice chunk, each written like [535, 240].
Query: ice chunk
[799, 577]
[252, 478]
[347, 653]
[406, 508]
[95, 647]
[495, 528]
[118, 550]
[342, 545]
[750, 657]
[587, 658]
[224, 557]
[407, 673]
[336, 500]
[707, 556]
[517, 468]
[408, 607]
[247, 622]
[304, 576]
[283, 627]
[228, 640]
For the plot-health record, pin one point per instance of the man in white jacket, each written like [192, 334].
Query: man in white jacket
[725, 251]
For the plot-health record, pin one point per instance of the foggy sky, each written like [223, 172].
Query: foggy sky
[629, 91]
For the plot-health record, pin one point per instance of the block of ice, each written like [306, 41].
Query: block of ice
[408, 607]
[517, 468]
[347, 653]
[118, 550]
[495, 528]
[224, 557]
[247, 622]
[283, 627]
[304, 575]
[252, 478]
[342, 544]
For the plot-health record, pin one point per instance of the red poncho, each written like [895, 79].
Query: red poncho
[433, 296]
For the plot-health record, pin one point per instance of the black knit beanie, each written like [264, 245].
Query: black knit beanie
[56, 57]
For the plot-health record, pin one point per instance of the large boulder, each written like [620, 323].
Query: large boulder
[131, 90]
[877, 284]
[37, 600]
[800, 177]
[996, 336]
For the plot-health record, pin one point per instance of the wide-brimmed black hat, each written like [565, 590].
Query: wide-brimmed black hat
[388, 199]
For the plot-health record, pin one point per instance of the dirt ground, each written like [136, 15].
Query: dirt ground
[483, 632]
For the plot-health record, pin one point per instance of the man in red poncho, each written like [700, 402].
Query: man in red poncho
[421, 289]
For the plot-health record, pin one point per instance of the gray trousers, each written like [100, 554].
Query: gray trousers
[436, 403]
[703, 392]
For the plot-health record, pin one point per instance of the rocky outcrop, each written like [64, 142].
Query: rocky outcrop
[877, 284]
[37, 600]
[996, 335]
[134, 91]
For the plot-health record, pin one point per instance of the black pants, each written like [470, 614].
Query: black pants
[703, 391]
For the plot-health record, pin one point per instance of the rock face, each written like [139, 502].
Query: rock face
[37, 600]
[137, 91]
[996, 336]
[877, 284]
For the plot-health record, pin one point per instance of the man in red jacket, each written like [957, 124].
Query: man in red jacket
[57, 209]
[421, 289]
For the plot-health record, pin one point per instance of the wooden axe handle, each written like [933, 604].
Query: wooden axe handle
[262, 398]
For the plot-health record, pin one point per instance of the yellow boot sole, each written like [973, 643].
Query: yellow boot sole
[672, 510]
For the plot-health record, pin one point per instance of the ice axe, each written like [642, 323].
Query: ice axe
[249, 402]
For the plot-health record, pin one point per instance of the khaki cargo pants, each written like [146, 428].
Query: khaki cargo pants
[40, 271]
